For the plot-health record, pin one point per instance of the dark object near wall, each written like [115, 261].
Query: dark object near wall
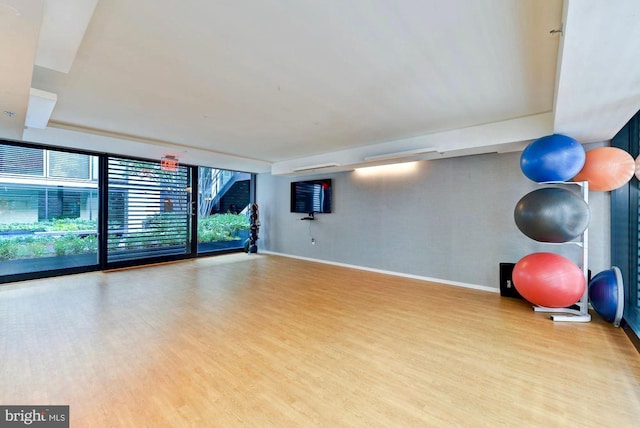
[507, 289]
[254, 228]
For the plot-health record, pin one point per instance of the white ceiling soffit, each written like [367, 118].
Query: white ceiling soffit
[502, 136]
[63, 27]
[41, 104]
[20, 22]
[64, 23]
[150, 149]
[598, 88]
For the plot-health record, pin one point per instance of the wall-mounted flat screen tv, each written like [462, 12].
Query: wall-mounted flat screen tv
[312, 196]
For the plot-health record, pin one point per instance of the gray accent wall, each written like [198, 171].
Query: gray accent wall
[448, 219]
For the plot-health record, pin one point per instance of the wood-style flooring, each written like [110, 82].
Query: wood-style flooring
[268, 341]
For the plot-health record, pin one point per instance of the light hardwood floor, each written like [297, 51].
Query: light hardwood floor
[268, 341]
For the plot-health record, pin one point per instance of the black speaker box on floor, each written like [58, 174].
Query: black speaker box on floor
[507, 289]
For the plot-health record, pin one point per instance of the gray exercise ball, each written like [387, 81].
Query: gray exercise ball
[552, 214]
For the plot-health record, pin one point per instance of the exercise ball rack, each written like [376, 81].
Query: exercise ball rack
[581, 314]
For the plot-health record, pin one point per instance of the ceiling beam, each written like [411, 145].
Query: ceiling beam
[118, 144]
[63, 28]
[597, 84]
[459, 142]
[20, 22]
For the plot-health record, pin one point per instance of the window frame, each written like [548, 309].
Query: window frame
[100, 176]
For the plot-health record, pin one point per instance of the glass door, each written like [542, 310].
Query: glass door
[223, 201]
[64, 211]
[149, 211]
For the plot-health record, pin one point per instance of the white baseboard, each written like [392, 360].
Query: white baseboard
[388, 272]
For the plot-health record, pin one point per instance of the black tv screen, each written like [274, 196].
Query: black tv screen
[312, 196]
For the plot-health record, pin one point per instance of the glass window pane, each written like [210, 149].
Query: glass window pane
[149, 211]
[69, 165]
[223, 201]
[625, 229]
[46, 225]
[21, 160]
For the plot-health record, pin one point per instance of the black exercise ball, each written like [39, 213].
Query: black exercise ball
[552, 214]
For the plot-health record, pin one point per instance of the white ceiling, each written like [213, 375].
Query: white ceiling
[281, 86]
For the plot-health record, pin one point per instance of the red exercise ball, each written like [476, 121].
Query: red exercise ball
[607, 168]
[549, 279]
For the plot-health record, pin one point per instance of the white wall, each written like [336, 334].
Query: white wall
[449, 219]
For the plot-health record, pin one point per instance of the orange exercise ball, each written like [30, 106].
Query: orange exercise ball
[549, 279]
[607, 168]
[638, 167]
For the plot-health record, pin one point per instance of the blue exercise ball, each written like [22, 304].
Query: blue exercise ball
[552, 158]
[552, 214]
[606, 294]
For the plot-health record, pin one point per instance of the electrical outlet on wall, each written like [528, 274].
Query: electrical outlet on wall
[313, 241]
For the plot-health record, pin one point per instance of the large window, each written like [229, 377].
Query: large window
[63, 211]
[625, 216]
[48, 215]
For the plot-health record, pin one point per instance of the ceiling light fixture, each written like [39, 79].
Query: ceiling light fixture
[392, 169]
[312, 167]
[403, 154]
